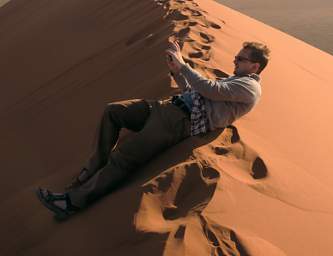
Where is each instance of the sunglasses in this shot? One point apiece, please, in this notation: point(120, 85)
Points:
point(241, 59)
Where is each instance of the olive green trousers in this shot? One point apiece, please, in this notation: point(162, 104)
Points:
point(157, 126)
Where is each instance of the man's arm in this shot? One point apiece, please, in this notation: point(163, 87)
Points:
point(181, 81)
point(235, 90)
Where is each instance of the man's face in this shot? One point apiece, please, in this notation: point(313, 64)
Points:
point(243, 63)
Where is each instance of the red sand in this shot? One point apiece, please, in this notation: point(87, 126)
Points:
point(263, 187)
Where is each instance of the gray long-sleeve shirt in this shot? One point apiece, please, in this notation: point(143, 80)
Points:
point(227, 99)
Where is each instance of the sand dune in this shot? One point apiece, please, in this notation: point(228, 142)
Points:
point(307, 20)
point(260, 187)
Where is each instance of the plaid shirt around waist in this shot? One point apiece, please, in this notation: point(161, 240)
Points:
point(198, 116)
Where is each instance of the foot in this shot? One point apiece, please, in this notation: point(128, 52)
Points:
point(59, 203)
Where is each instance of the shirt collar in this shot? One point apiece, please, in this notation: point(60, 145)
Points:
point(254, 76)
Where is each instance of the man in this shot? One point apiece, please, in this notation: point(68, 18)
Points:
point(203, 106)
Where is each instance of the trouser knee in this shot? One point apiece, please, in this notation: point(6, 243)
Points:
point(112, 107)
point(113, 112)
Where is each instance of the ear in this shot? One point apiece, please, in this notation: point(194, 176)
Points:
point(256, 67)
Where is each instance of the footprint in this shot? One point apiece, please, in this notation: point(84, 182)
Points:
point(185, 200)
point(233, 146)
point(239, 246)
point(206, 47)
point(196, 13)
point(207, 38)
point(214, 25)
point(188, 39)
point(235, 135)
point(219, 252)
point(187, 23)
point(198, 46)
point(210, 24)
point(192, 23)
point(195, 54)
point(183, 32)
point(171, 213)
point(225, 243)
point(220, 150)
point(174, 188)
point(210, 173)
point(177, 15)
point(259, 169)
point(161, 183)
point(208, 233)
point(180, 233)
point(193, 12)
point(191, 63)
point(207, 24)
point(200, 55)
point(181, 40)
point(219, 73)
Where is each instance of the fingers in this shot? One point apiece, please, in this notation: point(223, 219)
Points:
point(174, 45)
point(174, 51)
point(171, 53)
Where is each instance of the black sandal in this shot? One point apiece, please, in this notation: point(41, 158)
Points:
point(47, 198)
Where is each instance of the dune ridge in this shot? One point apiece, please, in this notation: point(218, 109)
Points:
point(258, 187)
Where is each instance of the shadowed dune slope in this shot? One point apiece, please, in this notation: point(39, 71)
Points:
point(260, 187)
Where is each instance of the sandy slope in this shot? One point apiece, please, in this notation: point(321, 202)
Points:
point(260, 187)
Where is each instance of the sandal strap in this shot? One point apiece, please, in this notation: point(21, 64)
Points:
point(52, 197)
point(70, 206)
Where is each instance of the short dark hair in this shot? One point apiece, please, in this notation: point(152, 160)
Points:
point(259, 53)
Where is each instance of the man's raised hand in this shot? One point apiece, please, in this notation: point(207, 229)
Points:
point(174, 57)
